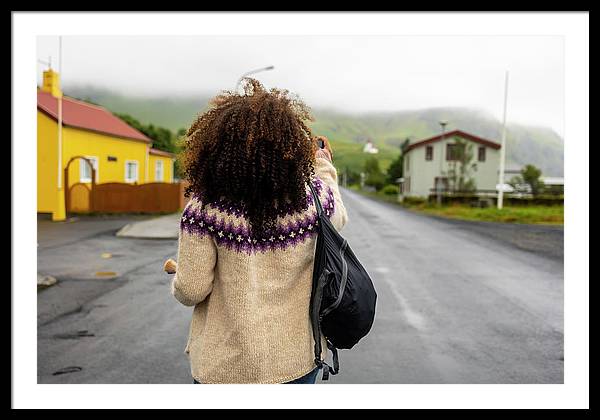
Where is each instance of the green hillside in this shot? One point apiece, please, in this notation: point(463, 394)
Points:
point(525, 144)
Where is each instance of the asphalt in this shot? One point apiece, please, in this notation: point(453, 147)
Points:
point(456, 304)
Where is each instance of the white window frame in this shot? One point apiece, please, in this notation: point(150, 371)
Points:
point(83, 166)
point(162, 170)
point(137, 171)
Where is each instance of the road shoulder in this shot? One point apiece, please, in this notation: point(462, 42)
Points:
point(544, 240)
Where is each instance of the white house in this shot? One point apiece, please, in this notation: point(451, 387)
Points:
point(369, 148)
point(426, 161)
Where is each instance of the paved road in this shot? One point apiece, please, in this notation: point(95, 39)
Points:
point(456, 305)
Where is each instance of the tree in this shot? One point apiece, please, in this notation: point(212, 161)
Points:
point(352, 177)
point(374, 176)
point(180, 137)
point(531, 177)
point(162, 138)
point(462, 166)
point(396, 169)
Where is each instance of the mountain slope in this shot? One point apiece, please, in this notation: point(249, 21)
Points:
point(539, 146)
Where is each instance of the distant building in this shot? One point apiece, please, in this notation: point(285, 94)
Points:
point(369, 148)
point(553, 181)
point(429, 160)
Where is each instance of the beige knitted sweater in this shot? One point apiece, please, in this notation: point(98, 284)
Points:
point(251, 294)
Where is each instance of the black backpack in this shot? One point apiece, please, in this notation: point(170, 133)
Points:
point(342, 303)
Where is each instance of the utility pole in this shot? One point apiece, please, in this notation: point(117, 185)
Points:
point(443, 123)
point(503, 147)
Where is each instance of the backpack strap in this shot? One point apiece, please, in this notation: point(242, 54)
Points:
point(317, 290)
point(328, 369)
point(316, 200)
point(336, 362)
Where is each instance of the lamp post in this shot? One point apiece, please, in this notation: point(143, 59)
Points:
point(252, 72)
point(443, 124)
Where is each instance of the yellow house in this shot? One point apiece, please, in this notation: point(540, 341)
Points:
point(117, 151)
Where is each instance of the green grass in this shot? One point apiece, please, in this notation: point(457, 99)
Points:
point(546, 215)
point(551, 215)
point(351, 156)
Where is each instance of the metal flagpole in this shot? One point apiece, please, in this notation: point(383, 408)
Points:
point(503, 147)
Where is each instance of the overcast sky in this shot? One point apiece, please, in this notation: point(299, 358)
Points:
point(351, 73)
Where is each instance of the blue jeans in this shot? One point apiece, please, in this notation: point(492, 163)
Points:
point(309, 378)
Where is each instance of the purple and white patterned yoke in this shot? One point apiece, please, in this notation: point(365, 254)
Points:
point(237, 237)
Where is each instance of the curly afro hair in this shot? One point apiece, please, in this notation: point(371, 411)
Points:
point(252, 149)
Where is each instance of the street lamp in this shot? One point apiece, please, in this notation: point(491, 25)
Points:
point(252, 72)
point(443, 124)
point(47, 63)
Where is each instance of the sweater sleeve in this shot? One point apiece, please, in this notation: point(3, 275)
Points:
point(328, 174)
point(196, 260)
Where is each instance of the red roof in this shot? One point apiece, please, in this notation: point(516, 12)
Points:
point(87, 116)
point(451, 134)
point(161, 153)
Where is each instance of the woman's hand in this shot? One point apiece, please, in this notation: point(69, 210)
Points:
point(325, 152)
point(170, 266)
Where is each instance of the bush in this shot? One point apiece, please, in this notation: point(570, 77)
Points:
point(414, 201)
point(375, 180)
point(390, 189)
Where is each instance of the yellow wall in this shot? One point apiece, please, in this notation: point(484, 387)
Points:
point(167, 168)
point(88, 143)
point(47, 163)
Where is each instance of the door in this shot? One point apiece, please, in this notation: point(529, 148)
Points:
point(443, 183)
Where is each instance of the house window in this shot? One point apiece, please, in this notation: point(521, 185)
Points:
point(481, 154)
point(131, 171)
point(429, 153)
point(407, 184)
point(454, 151)
point(407, 163)
point(158, 171)
point(85, 173)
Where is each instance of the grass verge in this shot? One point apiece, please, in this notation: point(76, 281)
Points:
point(536, 214)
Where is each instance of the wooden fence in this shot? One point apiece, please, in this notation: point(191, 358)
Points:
point(116, 197)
